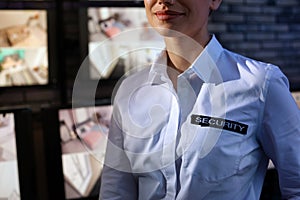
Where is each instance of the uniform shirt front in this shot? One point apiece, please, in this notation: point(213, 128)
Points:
point(227, 118)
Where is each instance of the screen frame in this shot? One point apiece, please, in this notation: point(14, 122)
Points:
point(53, 150)
point(25, 152)
point(52, 43)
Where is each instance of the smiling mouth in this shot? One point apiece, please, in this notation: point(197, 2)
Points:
point(168, 15)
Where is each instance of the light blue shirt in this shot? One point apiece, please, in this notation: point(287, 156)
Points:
point(212, 138)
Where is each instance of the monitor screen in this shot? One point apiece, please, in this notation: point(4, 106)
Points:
point(15, 155)
point(9, 189)
point(83, 136)
point(296, 96)
point(120, 41)
point(23, 48)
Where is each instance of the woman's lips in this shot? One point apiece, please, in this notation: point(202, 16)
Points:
point(168, 15)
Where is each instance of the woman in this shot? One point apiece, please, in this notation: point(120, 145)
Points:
point(201, 122)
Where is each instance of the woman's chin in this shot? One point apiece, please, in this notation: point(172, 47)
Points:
point(168, 31)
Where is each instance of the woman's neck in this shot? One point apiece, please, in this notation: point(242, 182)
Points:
point(182, 51)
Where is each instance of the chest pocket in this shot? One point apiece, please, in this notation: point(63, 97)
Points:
point(232, 154)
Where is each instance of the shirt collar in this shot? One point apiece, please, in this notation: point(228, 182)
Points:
point(204, 66)
point(158, 72)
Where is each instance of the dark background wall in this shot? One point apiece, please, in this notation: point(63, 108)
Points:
point(267, 30)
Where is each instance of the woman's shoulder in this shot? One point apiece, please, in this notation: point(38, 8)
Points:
point(131, 81)
point(138, 77)
point(254, 66)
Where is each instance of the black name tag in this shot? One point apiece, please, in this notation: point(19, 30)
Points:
point(220, 123)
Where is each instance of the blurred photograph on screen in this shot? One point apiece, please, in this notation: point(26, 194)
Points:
point(118, 41)
point(9, 176)
point(23, 48)
point(83, 133)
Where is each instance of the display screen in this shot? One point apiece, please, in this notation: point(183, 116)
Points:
point(9, 176)
point(120, 41)
point(83, 134)
point(296, 96)
point(23, 48)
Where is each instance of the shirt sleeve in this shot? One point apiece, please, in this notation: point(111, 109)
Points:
point(117, 182)
point(281, 133)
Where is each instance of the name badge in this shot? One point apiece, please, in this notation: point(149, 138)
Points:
point(220, 123)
